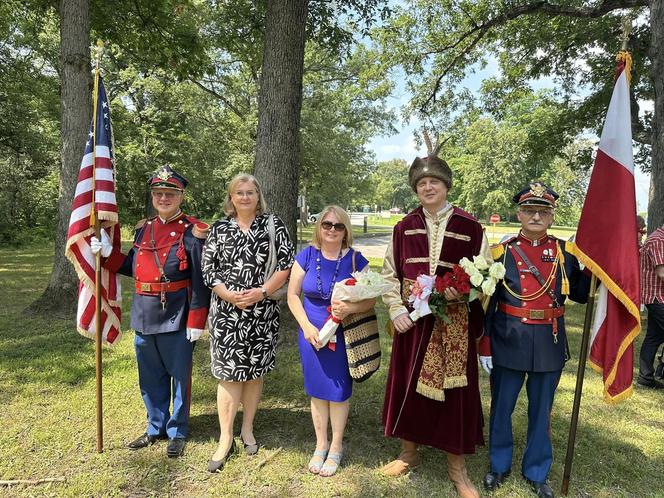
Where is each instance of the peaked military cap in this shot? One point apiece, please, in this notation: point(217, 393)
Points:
point(166, 177)
point(536, 194)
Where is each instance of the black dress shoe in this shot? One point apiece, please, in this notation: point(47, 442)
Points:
point(494, 479)
point(175, 447)
point(250, 449)
point(649, 382)
point(541, 489)
point(143, 441)
point(215, 466)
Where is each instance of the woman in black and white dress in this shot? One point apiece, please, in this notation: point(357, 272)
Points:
point(243, 320)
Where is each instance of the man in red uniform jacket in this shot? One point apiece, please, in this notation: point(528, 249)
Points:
point(169, 308)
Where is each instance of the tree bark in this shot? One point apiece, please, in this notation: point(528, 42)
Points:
point(60, 296)
point(656, 201)
point(277, 164)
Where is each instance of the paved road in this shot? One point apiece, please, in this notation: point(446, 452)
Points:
point(372, 247)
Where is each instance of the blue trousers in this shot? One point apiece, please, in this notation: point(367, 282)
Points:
point(164, 375)
point(505, 387)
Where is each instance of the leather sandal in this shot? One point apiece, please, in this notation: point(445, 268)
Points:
point(317, 460)
point(331, 464)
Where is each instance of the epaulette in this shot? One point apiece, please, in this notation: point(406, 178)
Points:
point(497, 251)
point(200, 229)
point(140, 224)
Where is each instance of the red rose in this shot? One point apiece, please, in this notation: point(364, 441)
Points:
point(351, 281)
point(464, 287)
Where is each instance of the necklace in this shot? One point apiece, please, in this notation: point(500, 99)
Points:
point(319, 283)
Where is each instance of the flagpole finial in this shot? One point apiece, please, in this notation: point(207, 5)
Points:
point(626, 31)
point(98, 50)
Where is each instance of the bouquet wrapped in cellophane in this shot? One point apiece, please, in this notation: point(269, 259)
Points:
point(361, 286)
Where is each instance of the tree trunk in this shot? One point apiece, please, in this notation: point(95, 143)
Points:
point(60, 295)
point(656, 201)
point(277, 163)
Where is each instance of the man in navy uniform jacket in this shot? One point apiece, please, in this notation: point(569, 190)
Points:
point(169, 307)
point(525, 336)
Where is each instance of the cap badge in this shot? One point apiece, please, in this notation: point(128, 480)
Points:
point(537, 189)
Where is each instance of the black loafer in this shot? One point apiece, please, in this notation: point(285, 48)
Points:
point(541, 489)
point(144, 441)
point(215, 466)
point(649, 382)
point(175, 447)
point(494, 479)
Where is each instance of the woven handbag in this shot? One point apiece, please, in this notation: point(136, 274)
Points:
point(362, 343)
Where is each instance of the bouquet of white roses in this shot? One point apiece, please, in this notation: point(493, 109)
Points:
point(468, 278)
point(361, 286)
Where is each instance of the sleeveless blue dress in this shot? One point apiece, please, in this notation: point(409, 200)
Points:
point(326, 371)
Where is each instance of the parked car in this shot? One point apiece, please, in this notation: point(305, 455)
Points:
point(395, 210)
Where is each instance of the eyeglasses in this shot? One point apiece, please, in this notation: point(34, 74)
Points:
point(541, 212)
point(167, 195)
point(328, 225)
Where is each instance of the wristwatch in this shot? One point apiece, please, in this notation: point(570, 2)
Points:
point(264, 292)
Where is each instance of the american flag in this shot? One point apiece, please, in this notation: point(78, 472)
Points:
point(95, 197)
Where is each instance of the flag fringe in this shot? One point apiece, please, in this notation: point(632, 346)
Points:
point(614, 289)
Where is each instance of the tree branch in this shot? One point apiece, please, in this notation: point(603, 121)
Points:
point(237, 111)
point(540, 7)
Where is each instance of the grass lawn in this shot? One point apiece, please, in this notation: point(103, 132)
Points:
point(47, 409)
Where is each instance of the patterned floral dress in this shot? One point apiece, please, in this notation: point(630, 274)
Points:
point(243, 342)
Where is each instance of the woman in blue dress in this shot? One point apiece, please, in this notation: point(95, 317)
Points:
point(327, 260)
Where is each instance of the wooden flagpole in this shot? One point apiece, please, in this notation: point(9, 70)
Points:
point(583, 353)
point(580, 373)
point(94, 220)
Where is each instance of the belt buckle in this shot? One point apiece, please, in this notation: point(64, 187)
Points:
point(536, 314)
point(145, 287)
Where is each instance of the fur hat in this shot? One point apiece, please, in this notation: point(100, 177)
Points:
point(432, 165)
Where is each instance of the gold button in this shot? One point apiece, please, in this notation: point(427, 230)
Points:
point(156, 279)
point(523, 304)
point(524, 289)
point(164, 254)
point(518, 243)
point(550, 305)
point(137, 265)
point(149, 223)
point(523, 276)
point(519, 263)
point(140, 253)
point(524, 319)
point(180, 222)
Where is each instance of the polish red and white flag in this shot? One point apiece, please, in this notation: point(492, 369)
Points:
point(606, 243)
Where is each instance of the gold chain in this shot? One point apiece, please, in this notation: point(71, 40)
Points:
point(542, 290)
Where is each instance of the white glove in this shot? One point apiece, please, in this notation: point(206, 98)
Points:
point(487, 363)
point(104, 245)
point(194, 334)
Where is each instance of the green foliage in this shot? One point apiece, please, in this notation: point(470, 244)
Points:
point(391, 187)
point(493, 158)
point(29, 127)
point(572, 44)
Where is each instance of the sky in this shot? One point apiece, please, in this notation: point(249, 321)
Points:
point(402, 145)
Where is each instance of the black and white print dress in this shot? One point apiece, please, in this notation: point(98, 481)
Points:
point(243, 342)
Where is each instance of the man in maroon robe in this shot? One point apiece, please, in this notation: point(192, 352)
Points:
point(432, 396)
